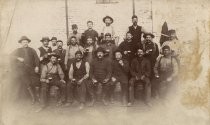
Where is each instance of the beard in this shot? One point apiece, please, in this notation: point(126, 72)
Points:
point(75, 32)
point(78, 59)
point(134, 23)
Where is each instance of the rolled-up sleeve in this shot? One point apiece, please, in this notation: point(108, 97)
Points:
point(44, 74)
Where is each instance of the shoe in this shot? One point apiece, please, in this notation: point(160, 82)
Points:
point(68, 104)
point(112, 101)
point(148, 104)
point(40, 109)
point(82, 105)
point(130, 104)
point(91, 104)
point(59, 104)
point(104, 102)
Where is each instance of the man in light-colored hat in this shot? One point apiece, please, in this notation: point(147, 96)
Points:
point(108, 28)
point(25, 64)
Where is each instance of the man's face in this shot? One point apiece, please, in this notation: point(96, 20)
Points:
point(73, 41)
point(54, 42)
point(108, 38)
point(128, 36)
point(90, 25)
point(46, 43)
point(135, 21)
point(108, 21)
point(100, 55)
point(24, 43)
point(89, 41)
point(74, 30)
point(53, 59)
point(148, 38)
point(60, 45)
point(118, 56)
point(166, 52)
point(140, 53)
point(173, 36)
point(78, 57)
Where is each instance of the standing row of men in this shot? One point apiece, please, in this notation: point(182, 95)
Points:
point(93, 65)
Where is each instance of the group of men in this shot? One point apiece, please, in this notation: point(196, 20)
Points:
point(89, 69)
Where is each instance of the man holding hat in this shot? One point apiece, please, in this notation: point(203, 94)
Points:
point(108, 28)
point(53, 43)
point(78, 79)
point(25, 64)
point(75, 33)
point(44, 51)
point(136, 31)
point(52, 74)
point(100, 74)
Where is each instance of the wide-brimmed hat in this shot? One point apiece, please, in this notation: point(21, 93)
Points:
point(24, 38)
point(100, 49)
point(54, 38)
point(146, 34)
point(45, 38)
point(108, 17)
point(74, 26)
point(53, 54)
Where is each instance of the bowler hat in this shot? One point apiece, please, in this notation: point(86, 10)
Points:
point(24, 38)
point(108, 17)
point(100, 49)
point(45, 38)
point(54, 38)
point(78, 52)
point(146, 34)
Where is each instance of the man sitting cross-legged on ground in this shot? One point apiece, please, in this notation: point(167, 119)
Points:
point(79, 76)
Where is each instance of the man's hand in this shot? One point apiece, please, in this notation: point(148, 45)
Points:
point(105, 80)
point(121, 63)
point(63, 81)
point(94, 80)
point(36, 69)
point(20, 59)
point(113, 79)
point(143, 77)
point(169, 79)
point(125, 52)
point(47, 81)
point(79, 82)
point(157, 76)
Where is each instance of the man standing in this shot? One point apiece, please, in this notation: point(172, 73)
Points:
point(53, 43)
point(52, 74)
point(44, 51)
point(90, 32)
point(120, 70)
point(78, 75)
point(166, 71)
point(89, 50)
point(100, 74)
point(76, 34)
point(128, 48)
point(108, 28)
point(108, 46)
point(140, 71)
point(136, 31)
point(26, 68)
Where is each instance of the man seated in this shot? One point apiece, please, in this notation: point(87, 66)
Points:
point(52, 74)
point(166, 70)
point(140, 71)
point(120, 70)
point(78, 78)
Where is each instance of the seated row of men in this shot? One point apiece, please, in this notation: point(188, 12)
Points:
point(94, 69)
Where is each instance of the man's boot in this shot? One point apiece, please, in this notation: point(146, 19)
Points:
point(30, 90)
point(104, 100)
point(92, 102)
point(37, 92)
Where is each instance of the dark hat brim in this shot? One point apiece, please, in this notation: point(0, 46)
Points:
point(42, 40)
point(150, 34)
point(108, 17)
point(19, 41)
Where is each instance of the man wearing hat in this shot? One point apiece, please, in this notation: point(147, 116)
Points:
point(108, 28)
point(78, 79)
point(52, 74)
point(166, 71)
point(100, 74)
point(44, 51)
point(75, 33)
point(140, 71)
point(90, 32)
point(53, 43)
point(136, 31)
point(25, 64)
point(120, 70)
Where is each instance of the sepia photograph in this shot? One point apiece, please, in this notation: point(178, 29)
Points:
point(104, 62)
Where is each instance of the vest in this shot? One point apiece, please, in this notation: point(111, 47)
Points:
point(43, 52)
point(136, 33)
point(79, 72)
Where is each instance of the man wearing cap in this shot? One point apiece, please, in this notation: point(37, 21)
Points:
point(108, 28)
point(128, 48)
point(100, 74)
point(53, 43)
point(25, 65)
point(109, 46)
point(52, 74)
point(78, 79)
point(120, 70)
point(89, 50)
point(166, 71)
point(75, 33)
point(44, 51)
point(140, 71)
point(136, 31)
point(90, 32)
point(70, 52)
